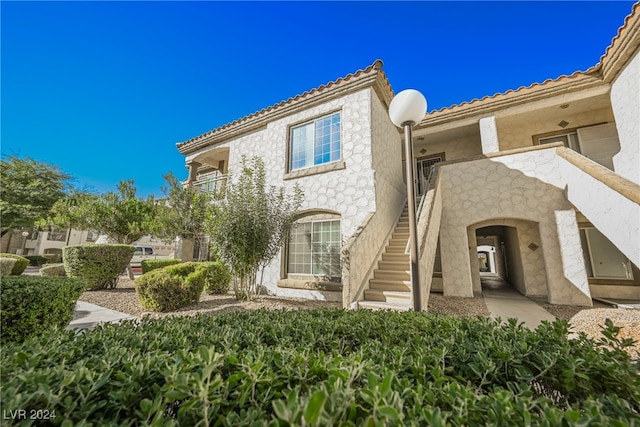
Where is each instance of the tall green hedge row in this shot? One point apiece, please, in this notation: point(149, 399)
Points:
point(20, 265)
point(324, 367)
point(98, 265)
point(34, 304)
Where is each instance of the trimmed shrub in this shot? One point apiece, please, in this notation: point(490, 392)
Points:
point(19, 266)
point(217, 278)
point(172, 287)
point(153, 264)
point(6, 266)
point(53, 270)
point(98, 265)
point(33, 304)
point(52, 258)
point(324, 367)
point(35, 260)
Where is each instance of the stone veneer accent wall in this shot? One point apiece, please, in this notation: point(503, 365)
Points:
point(361, 252)
point(521, 186)
point(625, 101)
point(349, 190)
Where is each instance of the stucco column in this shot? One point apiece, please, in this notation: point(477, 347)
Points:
point(456, 263)
point(193, 171)
point(566, 274)
point(489, 135)
point(625, 103)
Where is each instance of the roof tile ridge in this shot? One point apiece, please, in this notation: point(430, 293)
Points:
point(575, 74)
point(376, 65)
point(634, 9)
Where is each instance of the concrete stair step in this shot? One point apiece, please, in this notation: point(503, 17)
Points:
point(393, 265)
point(395, 257)
point(392, 274)
point(390, 285)
point(396, 249)
point(381, 305)
point(393, 297)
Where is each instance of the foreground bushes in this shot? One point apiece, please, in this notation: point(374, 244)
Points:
point(153, 264)
point(172, 287)
point(323, 367)
point(98, 265)
point(20, 264)
point(33, 304)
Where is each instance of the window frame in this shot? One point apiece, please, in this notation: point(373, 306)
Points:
point(323, 166)
point(289, 252)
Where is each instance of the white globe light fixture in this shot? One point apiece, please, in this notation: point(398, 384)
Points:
point(407, 109)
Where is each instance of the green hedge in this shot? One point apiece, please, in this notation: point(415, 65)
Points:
point(53, 270)
point(6, 265)
point(98, 265)
point(33, 304)
point(35, 260)
point(20, 265)
point(153, 264)
point(172, 287)
point(324, 367)
point(217, 278)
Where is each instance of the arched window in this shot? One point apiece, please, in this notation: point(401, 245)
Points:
point(314, 246)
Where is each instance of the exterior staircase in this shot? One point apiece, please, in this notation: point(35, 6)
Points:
point(390, 287)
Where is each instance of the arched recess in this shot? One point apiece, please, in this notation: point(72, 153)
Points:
point(519, 253)
point(312, 252)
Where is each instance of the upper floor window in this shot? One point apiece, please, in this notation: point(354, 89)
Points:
point(92, 236)
point(57, 235)
point(315, 143)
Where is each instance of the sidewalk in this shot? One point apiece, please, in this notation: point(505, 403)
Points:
point(87, 316)
point(505, 302)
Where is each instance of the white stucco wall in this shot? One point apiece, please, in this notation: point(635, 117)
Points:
point(489, 135)
point(613, 214)
point(349, 191)
point(625, 101)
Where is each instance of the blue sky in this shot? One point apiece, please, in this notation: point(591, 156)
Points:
point(106, 89)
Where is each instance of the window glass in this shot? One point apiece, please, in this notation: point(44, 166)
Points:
point(314, 248)
point(315, 143)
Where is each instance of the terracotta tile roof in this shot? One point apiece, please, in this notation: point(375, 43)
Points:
point(627, 31)
point(371, 75)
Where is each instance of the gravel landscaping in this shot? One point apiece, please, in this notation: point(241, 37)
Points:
point(582, 319)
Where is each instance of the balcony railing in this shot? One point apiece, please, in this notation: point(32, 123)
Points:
point(213, 184)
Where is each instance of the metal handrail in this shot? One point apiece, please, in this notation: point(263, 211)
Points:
point(428, 185)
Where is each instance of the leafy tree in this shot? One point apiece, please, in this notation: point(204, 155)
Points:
point(29, 189)
point(120, 215)
point(181, 213)
point(249, 226)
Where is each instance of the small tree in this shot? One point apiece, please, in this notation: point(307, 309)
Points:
point(122, 216)
point(181, 213)
point(249, 226)
point(29, 191)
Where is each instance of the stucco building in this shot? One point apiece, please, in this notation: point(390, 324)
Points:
point(539, 185)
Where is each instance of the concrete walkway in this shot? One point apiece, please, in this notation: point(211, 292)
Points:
point(504, 301)
point(87, 316)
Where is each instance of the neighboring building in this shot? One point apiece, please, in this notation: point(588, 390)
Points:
point(52, 242)
point(538, 185)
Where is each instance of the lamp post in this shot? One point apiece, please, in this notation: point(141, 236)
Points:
point(24, 241)
point(406, 109)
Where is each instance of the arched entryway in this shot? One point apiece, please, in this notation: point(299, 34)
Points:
point(508, 254)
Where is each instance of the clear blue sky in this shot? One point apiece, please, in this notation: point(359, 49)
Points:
point(106, 89)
